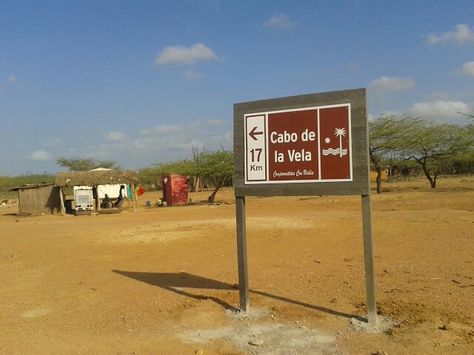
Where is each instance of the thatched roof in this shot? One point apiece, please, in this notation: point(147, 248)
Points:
point(98, 177)
point(32, 186)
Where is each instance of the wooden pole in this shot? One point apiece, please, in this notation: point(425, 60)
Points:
point(97, 201)
point(134, 195)
point(61, 201)
point(242, 254)
point(369, 260)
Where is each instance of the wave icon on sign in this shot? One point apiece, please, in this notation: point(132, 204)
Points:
point(338, 132)
point(332, 151)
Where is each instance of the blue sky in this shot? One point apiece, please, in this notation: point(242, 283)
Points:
point(141, 82)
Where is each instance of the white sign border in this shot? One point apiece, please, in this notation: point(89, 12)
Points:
point(267, 172)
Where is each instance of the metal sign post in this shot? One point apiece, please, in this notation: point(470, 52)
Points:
point(314, 144)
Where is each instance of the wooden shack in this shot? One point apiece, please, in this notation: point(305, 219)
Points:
point(37, 199)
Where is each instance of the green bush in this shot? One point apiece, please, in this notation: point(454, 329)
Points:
point(7, 183)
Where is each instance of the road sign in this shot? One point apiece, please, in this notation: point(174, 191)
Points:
point(304, 145)
point(314, 144)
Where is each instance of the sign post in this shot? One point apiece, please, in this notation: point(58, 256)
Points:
point(369, 260)
point(314, 144)
point(242, 254)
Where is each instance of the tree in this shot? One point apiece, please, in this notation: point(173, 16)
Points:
point(151, 176)
point(430, 145)
point(463, 163)
point(78, 164)
point(216, 169)
point(385, 135)
point(196, 184)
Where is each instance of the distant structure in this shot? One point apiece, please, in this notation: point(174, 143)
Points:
point(175, 189)
point(90, 187)
point(38, 199)
point(77, 191)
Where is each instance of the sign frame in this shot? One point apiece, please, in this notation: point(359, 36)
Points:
point(359, 184)
point(356, 99)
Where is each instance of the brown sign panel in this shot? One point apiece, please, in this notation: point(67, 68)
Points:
point(292, 147)
point(335, 143)
point(302, 145)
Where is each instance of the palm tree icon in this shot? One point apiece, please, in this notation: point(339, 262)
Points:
point(340, 132)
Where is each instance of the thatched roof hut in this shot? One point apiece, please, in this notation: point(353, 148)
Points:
point(96, 177)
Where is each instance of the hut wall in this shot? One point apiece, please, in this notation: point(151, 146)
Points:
point(39, 200)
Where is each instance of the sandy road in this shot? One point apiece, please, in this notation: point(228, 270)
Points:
point(161, 280)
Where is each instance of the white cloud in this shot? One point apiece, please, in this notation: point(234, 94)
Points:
point(176, 141)
point(229, 136)
point(185, 55)
point(11, 79)
point(468, 68)
point(443, 109)
point(390, 113)
point(279, 21)
point(385, 113)
point(53, 143)
point(212, 122)
point(114, 136)
point(386, 83)
point(461, 34)
point(157, 144)
point(40, 155)
point(164, 129)
point(179, 143)
point(192, 75)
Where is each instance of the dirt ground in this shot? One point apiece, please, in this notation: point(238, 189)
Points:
point(163, 280)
